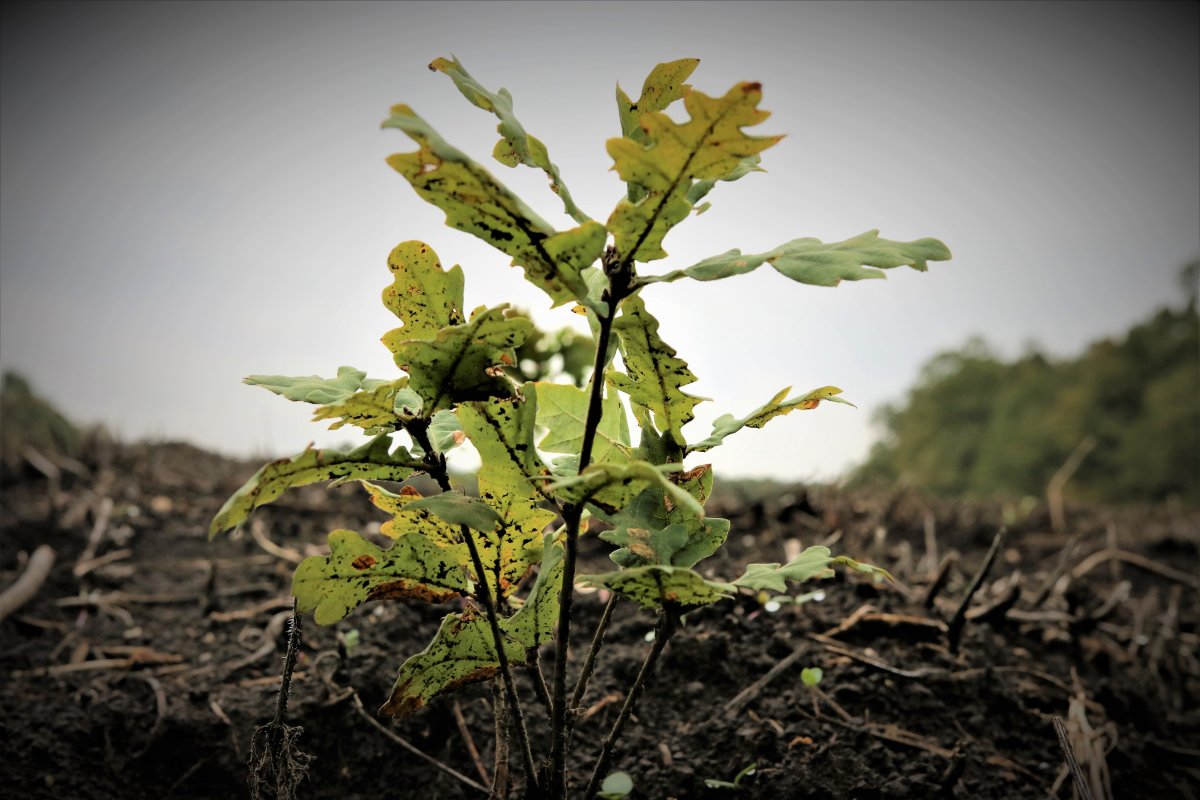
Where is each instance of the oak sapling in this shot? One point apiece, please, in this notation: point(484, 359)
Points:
point(556, 459)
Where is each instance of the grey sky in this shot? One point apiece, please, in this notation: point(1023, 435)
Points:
point(193, 193)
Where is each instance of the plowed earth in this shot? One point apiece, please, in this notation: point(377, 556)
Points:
point(146, 675)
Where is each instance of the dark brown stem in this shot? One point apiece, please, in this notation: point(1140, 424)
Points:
point(539, 681)
point(955, 628)
point(500, 767)
point(571, 516)
point(436, 463)
point(289, 666)
point(668, 620)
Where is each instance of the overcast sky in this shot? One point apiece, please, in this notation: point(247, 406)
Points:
point(190, 193)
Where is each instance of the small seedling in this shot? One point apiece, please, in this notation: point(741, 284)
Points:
point(555, 457)
point(616, 786)
point(736, 783)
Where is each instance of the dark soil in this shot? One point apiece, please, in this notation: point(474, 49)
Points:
point(146, 676)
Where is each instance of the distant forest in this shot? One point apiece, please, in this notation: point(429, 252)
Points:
point(978, 425)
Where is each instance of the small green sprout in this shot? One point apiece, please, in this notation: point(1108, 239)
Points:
point(746, 772)
point(811, 676)
point(616, 786)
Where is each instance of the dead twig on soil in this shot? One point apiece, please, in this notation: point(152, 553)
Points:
point(939, 579)
point(1060, 567)
point(1064, 742)
point(1098, 558)
point(99, 528)
point(469, 741)
point(834, 647)
point(258, 531)
point(141, 658)
point(358, 705)
point(747, 695)
point(26, 587)
point(955, 628)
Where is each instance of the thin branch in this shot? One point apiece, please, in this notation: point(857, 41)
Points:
point(668, 620)
point(589, 663)
point(571, 516)
point(31, 580)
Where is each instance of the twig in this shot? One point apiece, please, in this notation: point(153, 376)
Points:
point(469, 740)
point(1059, 568)
point(939, 579)
point(954, 630)
point(534, 668)
point(833, 647)
point(258, 531)
point(499, 789)
point(997, 610)
point(1098, 558)
point(99, 527)
point(1054, 489)
point(358, 705)
point(84, 567)
point(26, 587)
point(142, 659)
point(668, 619)
point(745, 696)
point(1064, 742)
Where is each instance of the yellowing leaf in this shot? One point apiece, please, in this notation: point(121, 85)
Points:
point(654, 374)
point(461, 362)
point(709, 146)
point(357, 571)
point(464, 651)
point(477, 203)
point(516, 146)
point(424, 296)
point(371, 461)
point(656, 585)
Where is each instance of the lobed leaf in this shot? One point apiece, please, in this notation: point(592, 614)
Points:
point(371, 461)
point(376, 411)
point(655, 374)
point(813, 262)
point(662, 87)
point(315, 389)
point(709, 146)
point(502, 431)
point(408, 520)
point(611, 486)
point(425, 297)
point(357, 571)
point(461, 362)
point(516, 146)
point(477, 203)
point(812, 562)
point(777, 406)
point(464, 651)
point(655, 585)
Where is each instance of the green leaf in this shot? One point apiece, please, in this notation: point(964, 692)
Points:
point(462, 362)
point(652, 586)
point(459, 509)
point(709, 146)
point(375, 410)
point(662, 87)
point(813, 562)
point(445, 431)
point(814, 262)
point(372, 461)
point(357, 571)
point(515, 146)
point(654, 373)
point(477, 203)
point(653, 529)
point(562, 410)
point(811, 676)
point(463, 651)
point(425, 297)
point(616, 786)
point(726, 424)
point(315, 389)
point(508, 552)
